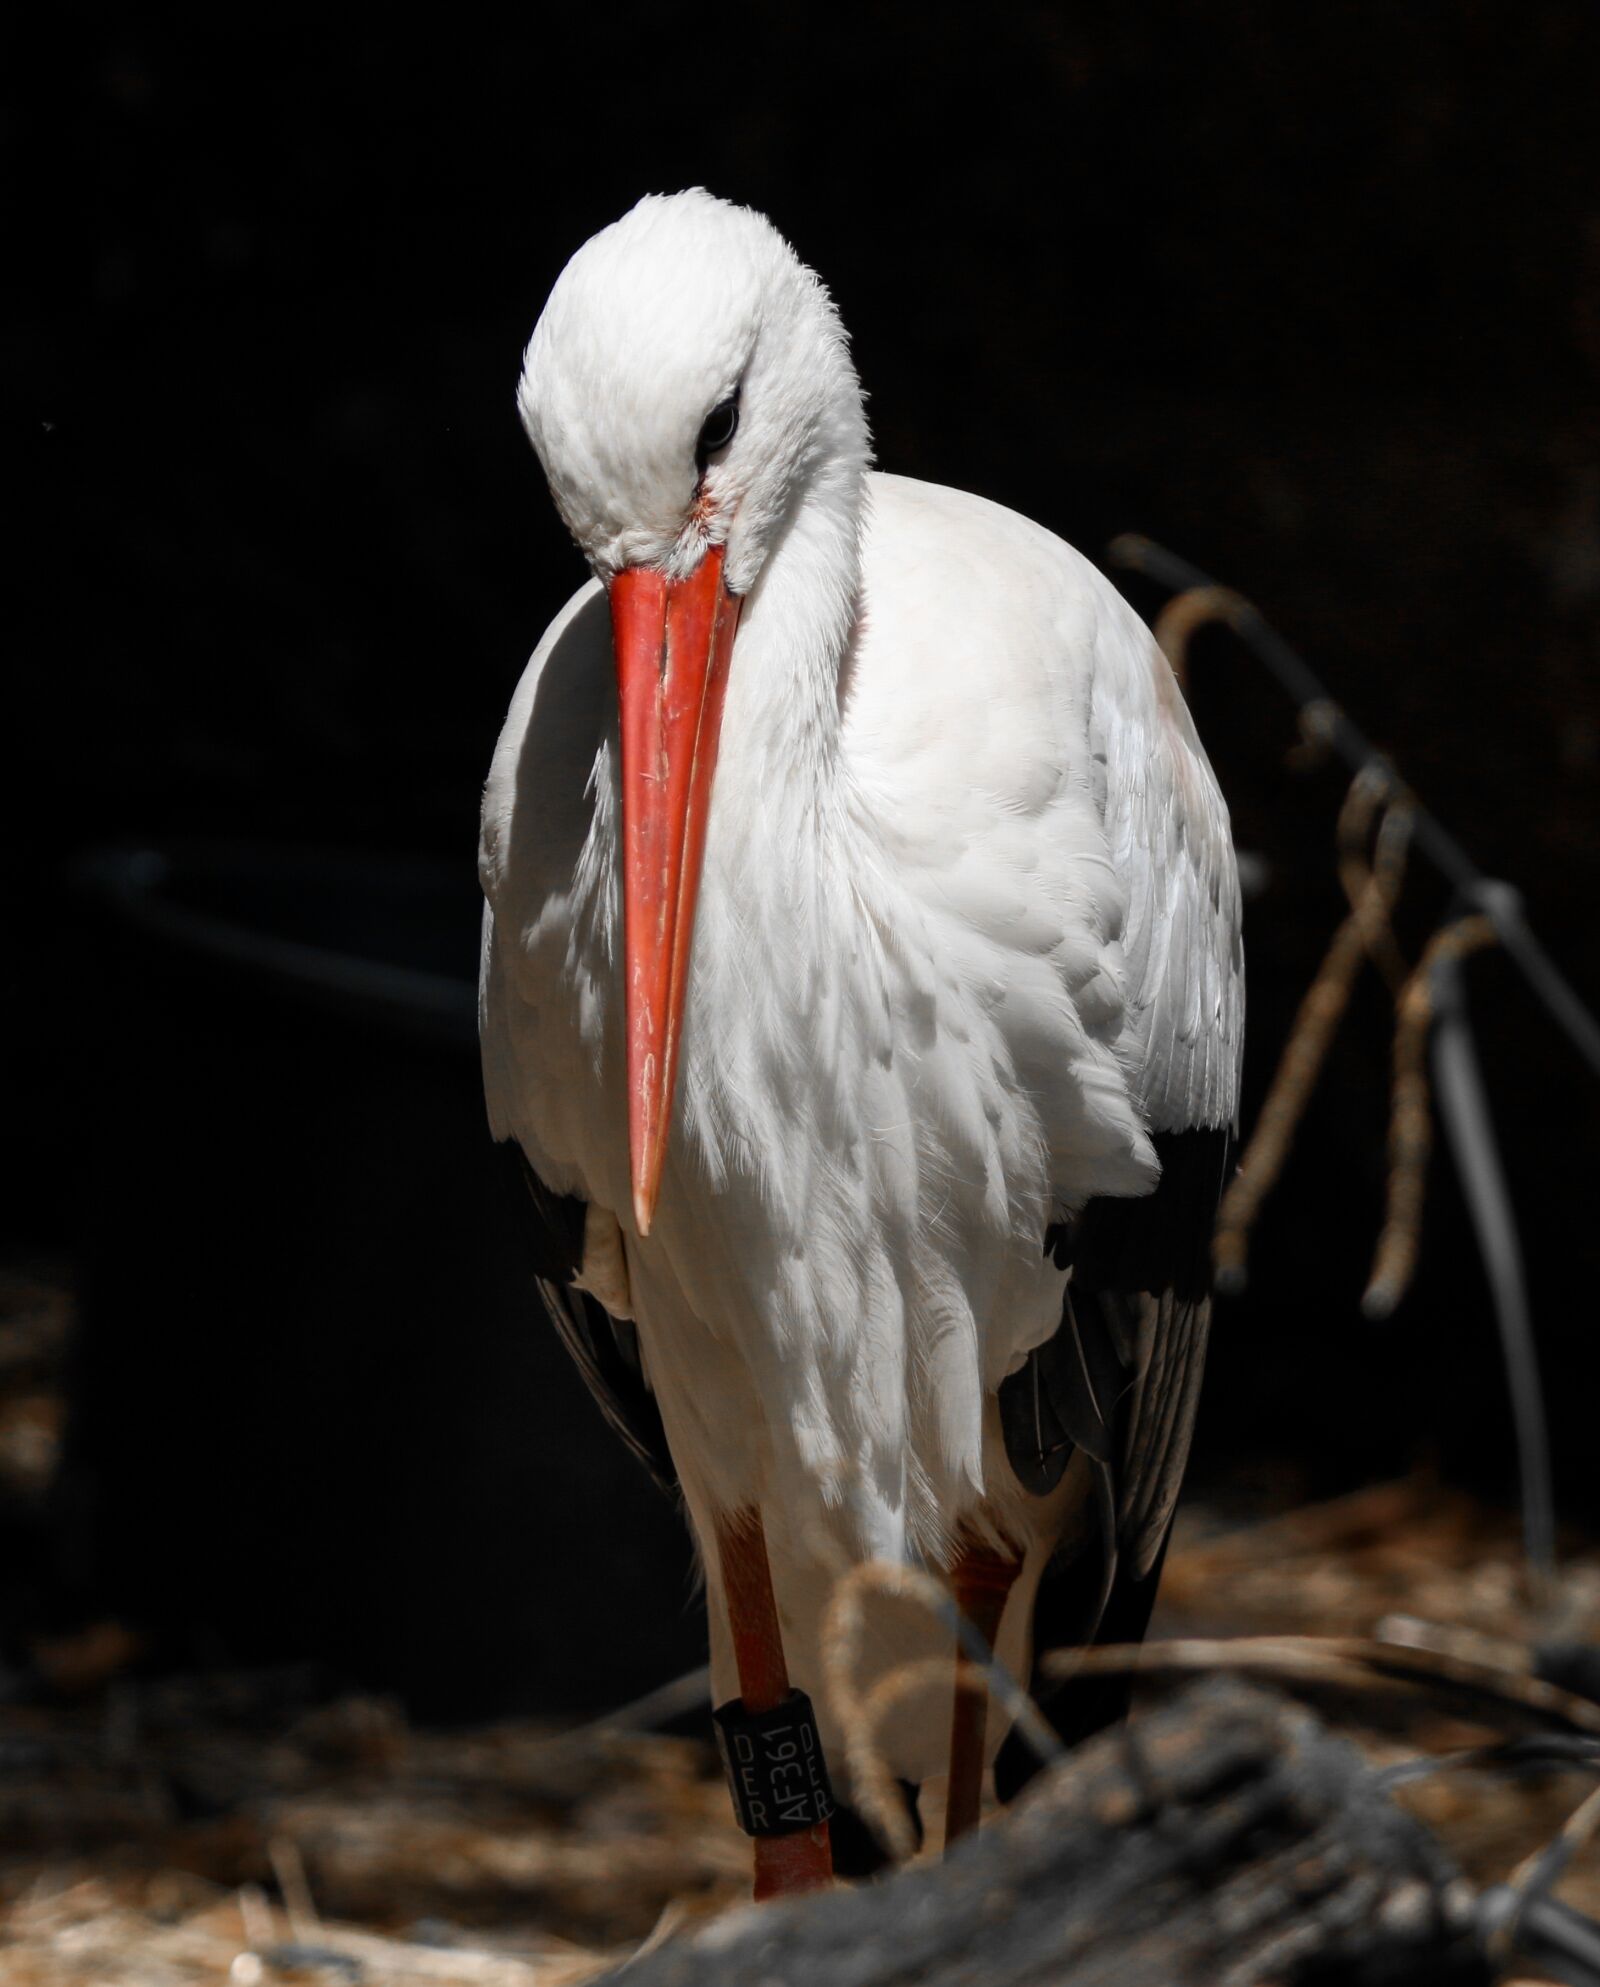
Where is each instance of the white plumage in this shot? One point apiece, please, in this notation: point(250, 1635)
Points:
point(968, 929)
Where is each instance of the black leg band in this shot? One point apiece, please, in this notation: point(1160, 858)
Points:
point(776, 1773)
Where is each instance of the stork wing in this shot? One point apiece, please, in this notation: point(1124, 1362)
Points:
point(604, 1349)
point(1181, 942)
point(1145, 1267)
point(1146, 1264)
point(1121, 1378)
point(1121, 1381)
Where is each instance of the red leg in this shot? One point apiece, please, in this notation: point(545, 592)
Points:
point(982, 1579)
point(784, 1863)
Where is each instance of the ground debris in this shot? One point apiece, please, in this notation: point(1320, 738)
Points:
point(243, 1828)
point(1258, 1849)
point(1425, 1566)
point(184, 1840)
point(92, 1931)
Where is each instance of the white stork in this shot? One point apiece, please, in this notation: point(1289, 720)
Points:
point(862, 983)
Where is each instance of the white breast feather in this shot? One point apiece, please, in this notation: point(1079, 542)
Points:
point(917, 1026)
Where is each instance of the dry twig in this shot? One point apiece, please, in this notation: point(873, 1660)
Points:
point(1183, 617)
point(1411, 1118)
point(1366, 926)
point(1536, 1873)
point(1301, 683)
point(1373, 888)
point(862, 1716)
point(1344, 1662)
point(843, 1622)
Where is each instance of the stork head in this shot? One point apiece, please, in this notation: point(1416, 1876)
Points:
point(687, 380)
point(687, 386)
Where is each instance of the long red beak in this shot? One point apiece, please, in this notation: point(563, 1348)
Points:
point(673, 639)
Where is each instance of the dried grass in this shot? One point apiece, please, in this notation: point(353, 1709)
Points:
point(1416, 1565)
point(174, 1836)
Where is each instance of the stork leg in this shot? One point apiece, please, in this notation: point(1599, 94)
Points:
point(981, 1578)
point(784, 1863)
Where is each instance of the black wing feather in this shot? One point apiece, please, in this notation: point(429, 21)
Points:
point(1140, 1296)
point(604, 1349)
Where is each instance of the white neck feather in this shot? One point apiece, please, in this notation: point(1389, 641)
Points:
point(779, 905)
point(780, 737)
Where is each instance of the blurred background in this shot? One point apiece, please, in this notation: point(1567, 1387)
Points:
point(1313, 300)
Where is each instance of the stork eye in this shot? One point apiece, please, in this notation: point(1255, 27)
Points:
point(717, 430)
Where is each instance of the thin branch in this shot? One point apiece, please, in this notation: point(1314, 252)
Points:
point(658, 1707)
point(1345, 1662)
point(1548, 1933)
point(862, 1716)
point(1373, 888)
point(1536, 1875)
point(1411, 1118)
point(1312, 1033)
point(1182, 618)
point(1464, 1112)
point(1501, 906)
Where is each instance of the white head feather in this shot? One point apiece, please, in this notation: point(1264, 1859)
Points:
point(655, 321)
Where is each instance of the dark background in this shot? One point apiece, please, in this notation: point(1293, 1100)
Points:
point(1314, 299)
